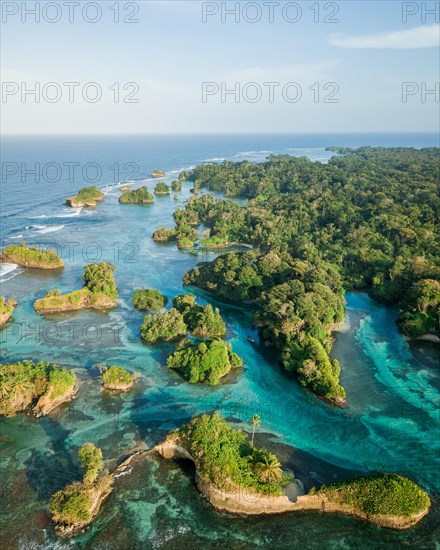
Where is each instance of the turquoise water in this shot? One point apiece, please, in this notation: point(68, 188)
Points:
point(393, 393)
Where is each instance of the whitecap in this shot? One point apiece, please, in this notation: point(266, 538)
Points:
point(7, 268)
point(51, 229)
point(9, 271)
point(69, 213)
point(252, 153)
point(17, 236)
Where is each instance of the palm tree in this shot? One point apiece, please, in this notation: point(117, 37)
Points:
point(269, 468)
point(256, 421)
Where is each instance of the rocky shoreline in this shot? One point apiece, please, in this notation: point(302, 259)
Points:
point(4, 318)
point(61, 304)
point(233, 499)
point(68, 530)
point(236, 500)
point(100, 493)
point(94, 197)
point(22, 261)
point(5, 315)
point(45, 405)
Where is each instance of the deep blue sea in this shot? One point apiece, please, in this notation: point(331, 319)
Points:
point(391, 423)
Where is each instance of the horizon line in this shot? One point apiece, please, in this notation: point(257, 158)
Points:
point(382, 132)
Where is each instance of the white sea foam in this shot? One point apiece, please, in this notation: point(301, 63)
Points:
point(252, 153)
point(25, 544)
point(18, 236)
point(68, 213)
point(7, 268)
point(50, 229)
point(123, 473)
point(9, 271)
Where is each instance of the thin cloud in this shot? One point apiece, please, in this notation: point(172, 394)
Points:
point(418, 37)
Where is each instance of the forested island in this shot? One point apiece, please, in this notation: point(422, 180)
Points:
point(30, 256)
point(202, 321)
point(99, 292)
point(158, 174)
point(198, 362)
point(137, 196)
point(368, 220)
point(148, 299)
point(87, 196)
point(116, 378)
point(162, 188)
point(185, 315)
point(6, 309)
point(38, 387)
point(238, 478)
point(164, 326)
point(75, 506)
point(204, 362)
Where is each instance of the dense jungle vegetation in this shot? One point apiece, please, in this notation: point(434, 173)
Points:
point(367, 220)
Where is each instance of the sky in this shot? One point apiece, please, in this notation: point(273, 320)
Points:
point(219, 67)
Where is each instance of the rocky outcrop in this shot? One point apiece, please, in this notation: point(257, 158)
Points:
point(6, 310)
point(45, 405)
point(74, 202)
point(28, 400)
point(158, 174)
point(237, 500)
point(135, 201)
point(4, 318)
point(97, 493)
point(87, 197)
point(118, 387)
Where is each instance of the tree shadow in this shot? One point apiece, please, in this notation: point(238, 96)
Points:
point(49, 470)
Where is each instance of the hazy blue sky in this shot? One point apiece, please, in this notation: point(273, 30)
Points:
point(367, 55)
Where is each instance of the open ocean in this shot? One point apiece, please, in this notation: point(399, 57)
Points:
point(392, 422)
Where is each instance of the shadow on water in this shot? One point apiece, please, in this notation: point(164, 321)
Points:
point(49, 470)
